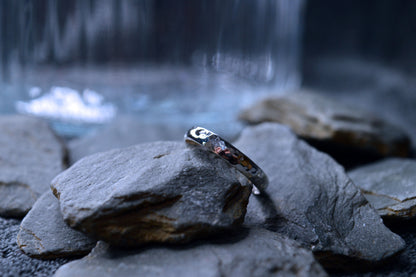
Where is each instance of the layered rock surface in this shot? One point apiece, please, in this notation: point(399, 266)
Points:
point(329, 125)
point(43, 233)
point(154, 192)
point(390, 186)
point(311, 199)
point(256, 253)
point(30, 157)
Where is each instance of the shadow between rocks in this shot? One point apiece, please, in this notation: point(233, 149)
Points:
point(402, 264)
point(399, 225)
point(347, 266)
point(228, 236)
point(347, 156)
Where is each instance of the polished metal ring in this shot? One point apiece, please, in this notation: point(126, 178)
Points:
point(212, 142)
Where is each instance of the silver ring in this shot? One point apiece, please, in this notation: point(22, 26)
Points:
point(212, 142)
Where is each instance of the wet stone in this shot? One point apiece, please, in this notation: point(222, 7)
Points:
point(349, 134)
point(43, 233)
point(311, 199)
point(31, 155)
point(390, 186)
point(153, 192)
point(256, 253)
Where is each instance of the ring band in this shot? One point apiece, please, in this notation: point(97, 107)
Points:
point(212, 142)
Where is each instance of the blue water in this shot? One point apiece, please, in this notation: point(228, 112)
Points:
point(81, 63)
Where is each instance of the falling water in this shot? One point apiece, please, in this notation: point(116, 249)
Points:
point(190, 61)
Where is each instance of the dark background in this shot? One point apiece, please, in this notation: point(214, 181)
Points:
point(380, 30)
point(363, 53)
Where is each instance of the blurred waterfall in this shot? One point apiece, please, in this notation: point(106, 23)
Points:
point(150, 57)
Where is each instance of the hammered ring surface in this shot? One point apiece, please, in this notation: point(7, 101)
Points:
point(199, 136)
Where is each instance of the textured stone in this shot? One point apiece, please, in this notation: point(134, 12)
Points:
point(13, 262)
point(43, 233)
point(122, 132)
point(256, 253)
point(321, 119)
point(154, 192)
point(311, 199)
point(30, 156)
point(384, 90)
point(390, 186)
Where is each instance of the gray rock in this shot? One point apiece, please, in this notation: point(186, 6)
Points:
point(122, 132)
point(390, 186)
point(30, 156)
point(384, 90)
point(313, 116)
point(258, 253)
point(43, 233)
point(13, 262)
point(154, 192)
point(311, 199)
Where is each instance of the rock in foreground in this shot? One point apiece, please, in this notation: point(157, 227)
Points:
point(43, 233)
point(390, 186)
point(30, 157)
point(259, 253)
point(331, 125)
point(154, 192)
point(311, 199)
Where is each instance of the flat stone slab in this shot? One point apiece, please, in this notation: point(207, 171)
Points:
point(44, 234)
point(124, 131)
point(312, 200)
point(390, 186)
point(258, 253)
point(153, 192)
point(316, 117)
point(31, 155)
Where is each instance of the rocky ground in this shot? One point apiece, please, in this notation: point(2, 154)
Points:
point(13, 262)
point(340, 200)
